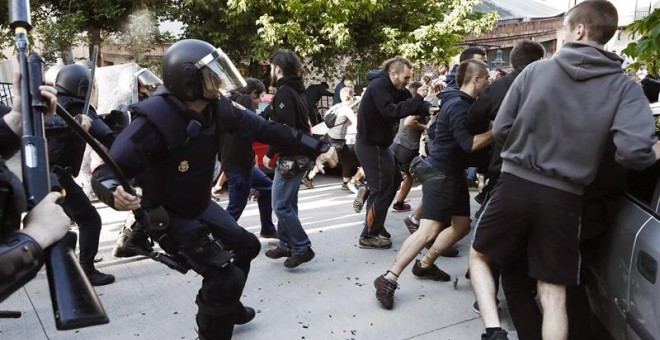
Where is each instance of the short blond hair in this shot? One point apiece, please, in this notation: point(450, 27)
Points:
point(346, 94)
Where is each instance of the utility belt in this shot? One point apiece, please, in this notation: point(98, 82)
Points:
point(201, 253)
point(291, 166)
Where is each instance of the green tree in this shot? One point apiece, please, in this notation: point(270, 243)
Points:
point(330, 32)
point(647, 49)
point(97, 17)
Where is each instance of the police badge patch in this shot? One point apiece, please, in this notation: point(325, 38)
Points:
point(183, 166)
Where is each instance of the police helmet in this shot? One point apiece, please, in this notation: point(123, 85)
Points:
point(73, 80)
point(194, 69)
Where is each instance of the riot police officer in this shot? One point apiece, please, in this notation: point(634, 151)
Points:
point(171, 147)
point(65, 153)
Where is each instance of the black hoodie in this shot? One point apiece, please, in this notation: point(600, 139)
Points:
point(381, 108)
point(289, 107)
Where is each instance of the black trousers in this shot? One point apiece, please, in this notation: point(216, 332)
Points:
point(383, 178)
point(78, 207)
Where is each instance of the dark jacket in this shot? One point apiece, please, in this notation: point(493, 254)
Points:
point(10, 142)
point(236, 153)
point(451, 141)
point(67, 151)
point(481, 113)
point(450, 79)
point(313, 94)
point(382, 107)
point(289, 107)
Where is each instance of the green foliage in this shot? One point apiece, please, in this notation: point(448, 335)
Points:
point(647, 48)
point(329, 32)
point(60, 36)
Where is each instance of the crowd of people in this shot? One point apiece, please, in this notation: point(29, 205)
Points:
point(439, 132)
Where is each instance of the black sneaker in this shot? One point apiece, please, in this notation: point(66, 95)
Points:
point(361, 196)
point(385, 234)
point(412, 226)
point(278, 252)
point(244, 316)
point(497, 335)
point(385, 291)
point(268, 235)
point(96, 278)
point(433, 272)
point(475, 306)
point(296, 260)
point(449, 252)
point(373, 242)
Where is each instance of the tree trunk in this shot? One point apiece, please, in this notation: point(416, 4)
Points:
point(94, 35)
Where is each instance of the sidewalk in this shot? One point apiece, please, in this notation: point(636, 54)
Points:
point(332, 297)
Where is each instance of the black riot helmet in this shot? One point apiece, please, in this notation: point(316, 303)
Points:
point(73, 80)
point(194, 69)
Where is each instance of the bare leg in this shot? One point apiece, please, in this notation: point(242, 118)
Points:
point(428, 229)
point(418, 212)
point(553, 301)
point(484, 288)
point(460, 226)
point(406, 184)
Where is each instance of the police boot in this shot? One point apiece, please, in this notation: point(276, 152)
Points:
point(95, 277)
point(132, 242)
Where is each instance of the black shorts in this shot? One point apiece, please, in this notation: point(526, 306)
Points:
point(403, 156)
point(544, 220)
point(443, 197)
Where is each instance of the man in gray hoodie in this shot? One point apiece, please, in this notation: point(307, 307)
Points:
point(554, 124)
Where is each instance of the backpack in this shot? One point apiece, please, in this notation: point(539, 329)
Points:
point(330, 117)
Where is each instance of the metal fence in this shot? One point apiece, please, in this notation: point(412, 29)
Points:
point(6, 93)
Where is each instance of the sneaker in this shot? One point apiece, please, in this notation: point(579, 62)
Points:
point(400, 207)
point(296, 260)
point(268, 235)
point(433, 272)
point(384, 234)
point(371, 242)
point(361, 196)
point(467, 274)
point(244, 316)
point(344, 187)
point(278, 252)
point(412, 226)
point(308, 183)
point(385, 291)
point(497, 335)
point(475, 306)
point(351, 186)
point(96, 278)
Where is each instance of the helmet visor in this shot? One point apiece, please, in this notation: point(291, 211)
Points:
point(147, 78)
point(219, 72)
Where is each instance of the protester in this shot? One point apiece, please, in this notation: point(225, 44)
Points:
point(384, 102)
point(446, 213)
point(544, 174)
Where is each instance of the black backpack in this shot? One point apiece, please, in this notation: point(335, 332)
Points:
point(330, 117)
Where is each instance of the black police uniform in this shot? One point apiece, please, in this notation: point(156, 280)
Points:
point(20, 255)
point(172, 150)
point(65, 152)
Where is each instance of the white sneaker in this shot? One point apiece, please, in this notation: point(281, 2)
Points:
point(351, 186)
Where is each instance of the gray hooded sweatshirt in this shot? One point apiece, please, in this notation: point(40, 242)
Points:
point(559, 114)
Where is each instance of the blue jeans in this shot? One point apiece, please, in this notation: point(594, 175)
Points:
point(471, 174)
point(239, 191)
point(285, 204)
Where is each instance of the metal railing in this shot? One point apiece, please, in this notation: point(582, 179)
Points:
point(6, 93)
